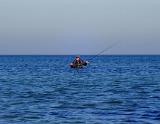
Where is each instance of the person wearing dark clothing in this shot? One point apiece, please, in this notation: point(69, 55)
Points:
point(78, 63)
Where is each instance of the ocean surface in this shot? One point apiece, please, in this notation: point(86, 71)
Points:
point(110, 90)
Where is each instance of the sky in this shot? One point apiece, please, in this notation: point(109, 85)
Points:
point(79, 26)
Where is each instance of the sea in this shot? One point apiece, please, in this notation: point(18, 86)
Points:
point(111, 89)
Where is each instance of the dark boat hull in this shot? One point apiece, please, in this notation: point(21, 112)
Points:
point(78, 66)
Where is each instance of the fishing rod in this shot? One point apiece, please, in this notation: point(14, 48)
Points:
point(106, 49)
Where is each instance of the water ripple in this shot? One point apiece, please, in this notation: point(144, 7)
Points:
point(112, 90)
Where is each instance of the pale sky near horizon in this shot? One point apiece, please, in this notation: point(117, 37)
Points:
point(79, 26)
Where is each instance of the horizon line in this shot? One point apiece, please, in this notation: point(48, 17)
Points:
point(79, 54)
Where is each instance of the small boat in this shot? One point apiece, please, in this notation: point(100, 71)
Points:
point(72, 65)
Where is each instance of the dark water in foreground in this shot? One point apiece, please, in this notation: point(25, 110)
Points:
point(111, 90)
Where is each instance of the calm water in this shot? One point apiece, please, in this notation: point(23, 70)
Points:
point(111, 90)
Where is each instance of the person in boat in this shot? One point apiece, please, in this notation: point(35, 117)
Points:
point(78, 63)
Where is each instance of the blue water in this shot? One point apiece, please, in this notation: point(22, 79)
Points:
point(110, 90)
